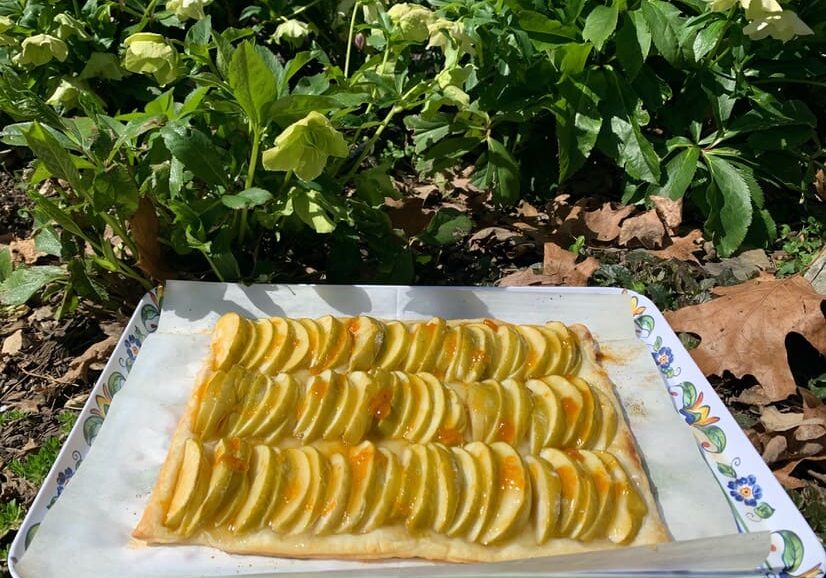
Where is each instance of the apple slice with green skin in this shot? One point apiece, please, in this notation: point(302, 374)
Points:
point(368, 337)
point(298, 347)
point(451, 432)
point(318, 342)
point(294, 490)
point(604, 486)
point(513, 506)
point(257, 404)
point(395, 346)
point(608, 429)
point(319, 404)
point(546, 487)
point(488, 469)
point(463, 364)
point(569, 348)
point(420, 477)
point(400, 406)
point(190, 484)
point(217, 399)
point(344, 408)
point(573, 489)
point(590, 415)
point(337, 347)
point(481, 352)
point(510, 349)
point(436, 408)
point(571, 401)
point(414, 429)
point(260, 343)
point(389, 480)
point(446, 358)
point(265, 480)
point(435, 330)
point(364, 467)
point(629, 509)
point(278, 410)
point(338, 492)
point(486, 407)
point(359, 421)
point(589, 503)
point(420, 341)
point(538, 352)
point(224, 419)
point(315, 493)
point(490, 346)
point(380, 406)
point(520, 407)
point(547, 427)
point(557, 360)
point(230, 338)
point(280, 347)
point(446, 490)
point(470, 495)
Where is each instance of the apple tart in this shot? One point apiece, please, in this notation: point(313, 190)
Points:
point(465, 441)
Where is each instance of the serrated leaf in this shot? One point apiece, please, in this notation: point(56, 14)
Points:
point(48, 242)
point(578, 122)
point(680, 173)
point(707, 38)
point(252, 81)
point(446, 227)
point(197, 152)
point(633, 43)
point(53, 212)
point(664, 22)
point(247, 198)
point(52, 154)
point(600, 25)
point(197, 37)
point(505, 173)
point(23, 283)
point(291, 108)
point(115, 188)
point(374, 185)
point(734, 211)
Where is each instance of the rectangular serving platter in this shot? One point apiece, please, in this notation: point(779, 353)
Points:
point(757, 500)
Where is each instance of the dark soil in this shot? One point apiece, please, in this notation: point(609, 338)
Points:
point(15, 219)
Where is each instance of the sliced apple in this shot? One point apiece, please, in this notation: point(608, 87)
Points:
point(392, 426)
point(557, 360)
point(420, 341)
point(345, 406)
point(481, 345)
point(608, 428)
point(569, 351)
point(316, 492)
point(604, 487)
point(368, 337)
point(485, 402)
point(217, 399)
point(591, 415)
point(574, 489)
point(435, 329)
point(265, 479)
point(471, 491)
point(518, 413)
point(390, 480)
point(338, 344)
point(230, 338)
point(365, 479)
point(436, 408)
point(317, 340)
point(446, 358)
point(538, 352)
point(338, 493)
point(295, 489)
point(572, 402)
point(278, 411)
point(513, 506)
point(451, 432)
point(630, 509)
point(358, 422)
point(319, 403)
point(395, 346)
point(511, 354)
point(259, 345)
point(547, 427)
point(299, 348)
point(488, 469)
point(546, 488)
point(192, 477)
point(420, 474)
point(446, 490)
point(415, 428)
point(257, 405)
point(380, 406)
point(280, 346)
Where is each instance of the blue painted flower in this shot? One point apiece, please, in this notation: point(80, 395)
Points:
point(133, 346)
point(745, 490)
point(663, 358)
point(63, 479)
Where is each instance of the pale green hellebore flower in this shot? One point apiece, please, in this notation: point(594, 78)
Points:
point(185, 9)
point(5, 23)
point(444, 32)
point(782, 26)
point(68, 92)
point(102, 65)
point(293, 31)
point(148, 53)
point(68, 27)
point(304, 147)
point(760, 8)
point(40, 49)
point(411, 20)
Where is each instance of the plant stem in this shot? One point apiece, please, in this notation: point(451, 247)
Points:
point(298, 11)
point(147, 15)
point(790, 81)
point(287, 178)
point(370, 143)
point(256, 143)
point(350, 39)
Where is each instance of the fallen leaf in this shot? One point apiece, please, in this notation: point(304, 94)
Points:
point(26, 251)
point(669, 211)
point(785, 474)
point(525, 278)
point(96, 353)
point(525, 209)
point(743, 267)
point(145, 230)
point(645, 229)
point(13, 343)
point(682, 248)
point(561, 266)
point(776, 421)
point(816, 272)
point(498, 234)
point(408, 214)
point(744, 329)
point(604, 222)
point(820, 184)
point(774, 450)
point(753, 396)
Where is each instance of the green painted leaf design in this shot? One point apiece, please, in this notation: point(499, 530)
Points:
point(716, 438)
point(726, 470)
point(792, 550)
point(689, 393)
point(764, 510)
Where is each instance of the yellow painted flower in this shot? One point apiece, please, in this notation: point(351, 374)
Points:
point(782, 26)
point(636, 308)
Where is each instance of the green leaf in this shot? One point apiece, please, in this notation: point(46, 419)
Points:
point(247, 198)
point(505, 173)
point(574, 57)
point(252, 81)
point(374, 185)
point(707, 38)
point(50, 152)
point(288, 109)
point(48, 241)
point(23, 283)
point(764, 510)
point(83, 282)
point(115, 188)
point(680, 171)
point(309, 206)
point(726, 470)
point(633, 43)
point(197, 37)
point(733, 208)
point(664, 22)
point(792, 550)
point(5, 264)
point(53, 212)
point(447, 227)
point(578, 122)
point(600, 25)
point(197, 152)
point(427, 131)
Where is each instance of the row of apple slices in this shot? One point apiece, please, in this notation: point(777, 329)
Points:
point(481, 493)
point(550, 412)
point(455, 351)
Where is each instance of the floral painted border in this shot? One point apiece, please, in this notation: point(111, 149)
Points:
point(757, 500)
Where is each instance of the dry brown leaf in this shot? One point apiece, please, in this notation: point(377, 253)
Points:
point(820, 184)
point(408, 214)
point(645, 229)
point(669, 211)
point(145, 231)
point(775, 420)
point(525, 278)
point(525, 209)
point(604, 222)
point(13, 343)
point(561, 266)
point(96, 353)
point(774, 450)
point(744, 329)
point(682, 248)
point(25, 251)
point(785, 474)
point(810, 430)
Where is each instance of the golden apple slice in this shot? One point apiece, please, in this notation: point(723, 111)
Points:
point(630, 509)
point(278, 410)
point(557, 360)
point(519, 409)
point(574, 490)
point(265, 477)
point(345, 406)
point(608, 428)
point(337, 348)
point(380, 406)
point(590, 501)
point(395, 346)
point(192, 477)
point(451, 432)
point(513, 506)
point(319, 403)
point(481, 352)
point(256, 407)
point(315, 492)
point(295, 489)
point(420, 473)
point(217, 399)
point(389, 480)
point(485, 402)
point(546, 487)
point(446, 489)
point(436, 413)
point(363, 465)
point(510, 353)
point(547, 421)
point(259, 345)
point(604, 487)
point(298, 346)
point(392, 425)
point(446, 358)
point(471, 491)
point(360, 419)
point(414, 429)
point(435, 329)
point(569, 348)
point(572, 402)
point(317, 340)
point(368, 336)
point(280, 346)
point(488, 468)
point(591, 415)
point(230, 338)
point(538, 352)
point(338, 492)
point(420, 341)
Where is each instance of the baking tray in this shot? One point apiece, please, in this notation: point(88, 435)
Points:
point(757, 500)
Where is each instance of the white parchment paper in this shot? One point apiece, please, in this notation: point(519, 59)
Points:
point(87, 532)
